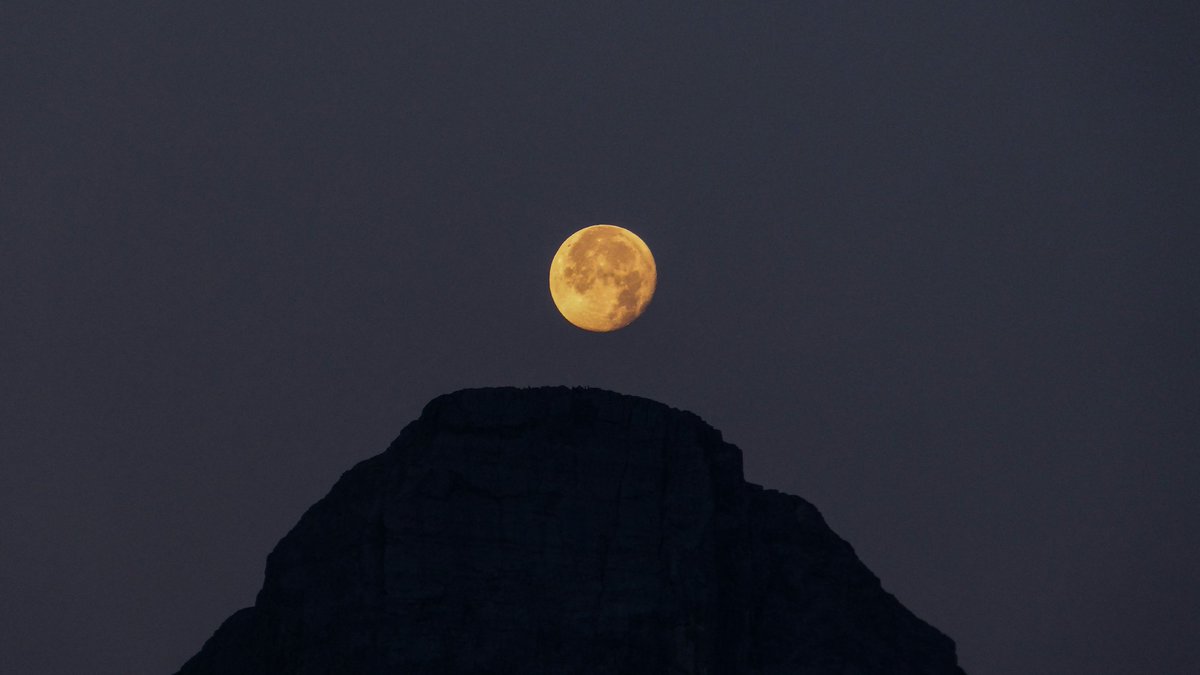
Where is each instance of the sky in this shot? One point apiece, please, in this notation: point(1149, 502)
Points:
point(930, 265)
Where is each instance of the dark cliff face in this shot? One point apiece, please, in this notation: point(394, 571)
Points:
point(561, 530)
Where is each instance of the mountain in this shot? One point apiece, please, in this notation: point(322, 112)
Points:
point(557, 530)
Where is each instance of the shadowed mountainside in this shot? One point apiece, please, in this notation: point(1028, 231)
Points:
point(557, 530)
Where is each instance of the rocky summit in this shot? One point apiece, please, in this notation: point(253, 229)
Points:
point(558, 530)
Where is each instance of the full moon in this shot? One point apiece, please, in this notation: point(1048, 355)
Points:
point(602, 278)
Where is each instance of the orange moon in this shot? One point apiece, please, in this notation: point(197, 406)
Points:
point(602, 278)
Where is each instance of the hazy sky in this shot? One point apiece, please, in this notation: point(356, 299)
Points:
point(932, 266)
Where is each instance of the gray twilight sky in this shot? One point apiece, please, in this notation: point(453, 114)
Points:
point(932, 266)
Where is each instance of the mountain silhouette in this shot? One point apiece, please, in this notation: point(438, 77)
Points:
point(558, 530)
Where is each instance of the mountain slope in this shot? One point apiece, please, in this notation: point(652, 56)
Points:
point(559, 530)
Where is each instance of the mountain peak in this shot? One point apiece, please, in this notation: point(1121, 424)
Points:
point(554, 530)
point(498, 407)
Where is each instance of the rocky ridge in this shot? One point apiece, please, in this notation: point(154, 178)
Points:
point(557, 530)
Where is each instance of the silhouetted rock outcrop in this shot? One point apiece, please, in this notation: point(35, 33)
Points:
point(561, 530)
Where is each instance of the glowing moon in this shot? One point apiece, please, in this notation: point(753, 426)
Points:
point(602, 278)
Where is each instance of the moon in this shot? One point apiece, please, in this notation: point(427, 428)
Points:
point(602, 278)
